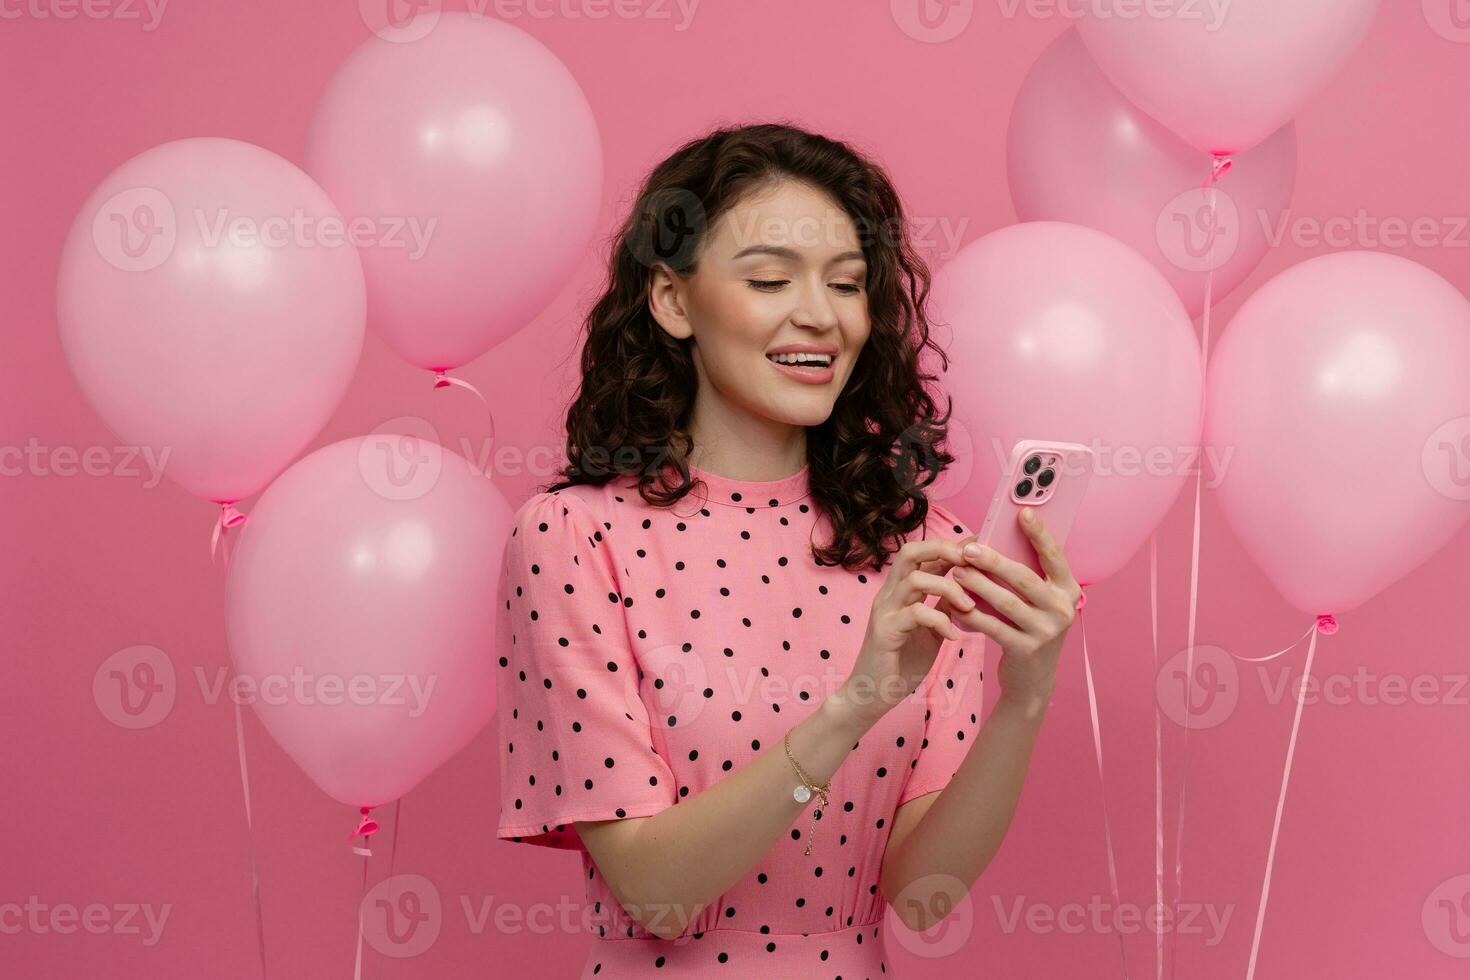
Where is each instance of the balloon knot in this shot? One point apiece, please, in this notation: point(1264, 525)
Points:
point(440, 380)
point(1219, 168)
point(1081, 601)
point(229, 516)
point(366, 827)
point(1326, 624)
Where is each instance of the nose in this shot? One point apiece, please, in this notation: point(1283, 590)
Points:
point(814, 308)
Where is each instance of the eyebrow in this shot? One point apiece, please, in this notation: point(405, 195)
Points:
point(781, 251)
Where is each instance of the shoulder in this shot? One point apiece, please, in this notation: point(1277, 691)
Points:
point(582, 505)
point(944, 522)
point(569, 516)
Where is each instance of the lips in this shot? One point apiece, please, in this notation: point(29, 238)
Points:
point(805, 375)
point(822, 364)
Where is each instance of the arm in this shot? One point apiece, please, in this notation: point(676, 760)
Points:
point(942, 841)
point(666, 868)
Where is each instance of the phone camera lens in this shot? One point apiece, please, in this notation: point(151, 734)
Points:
point(1023, 489)
point(1033, 463)
point(1046, 477)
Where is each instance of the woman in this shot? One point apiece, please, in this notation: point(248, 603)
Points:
point(722, 677)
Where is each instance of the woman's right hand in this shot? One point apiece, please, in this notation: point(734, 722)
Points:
point(904, 633)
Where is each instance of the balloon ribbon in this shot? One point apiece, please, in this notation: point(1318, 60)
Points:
point(228, 517)
point(1325, 625)
point(1219, 166)
point(442, 380)
point(1102, 782)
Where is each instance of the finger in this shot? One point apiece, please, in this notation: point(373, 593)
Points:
point(1053, 562)
point(939, 566)
point(975, 621)
point(925, 615)
point(1003, 600)
point(911, 555)
point(1021, 578)
point(923, 584)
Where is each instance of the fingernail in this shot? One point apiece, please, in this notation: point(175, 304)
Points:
point(1026, 515)
point(974, 551)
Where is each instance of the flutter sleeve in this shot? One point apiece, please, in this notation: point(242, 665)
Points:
point(953, 692)
point(575, 739)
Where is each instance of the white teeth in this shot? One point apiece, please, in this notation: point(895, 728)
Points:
point(816, 360)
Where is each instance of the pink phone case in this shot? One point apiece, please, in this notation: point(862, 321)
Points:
point(1056, 498)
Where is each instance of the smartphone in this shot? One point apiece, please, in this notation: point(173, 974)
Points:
point(1049, 476)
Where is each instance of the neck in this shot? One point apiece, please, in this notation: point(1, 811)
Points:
point(747, 448)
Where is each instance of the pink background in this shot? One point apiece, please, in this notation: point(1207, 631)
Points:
point(94, 564)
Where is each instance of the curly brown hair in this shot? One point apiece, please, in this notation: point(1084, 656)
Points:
point(881, 445)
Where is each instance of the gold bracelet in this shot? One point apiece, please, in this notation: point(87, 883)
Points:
point(803, 793)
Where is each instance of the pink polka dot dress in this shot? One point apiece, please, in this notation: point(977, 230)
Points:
point(645, 652)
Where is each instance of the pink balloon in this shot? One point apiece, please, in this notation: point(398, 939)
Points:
point(1061, 332)
point(1224, 76)
point(356, 607)
point(1339, 406)
point(1079, 151)
point(208, 313)
point(473, 159)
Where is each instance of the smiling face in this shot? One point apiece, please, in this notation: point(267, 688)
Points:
point(782, 269)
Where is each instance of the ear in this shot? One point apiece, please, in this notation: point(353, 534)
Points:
point(666, 302)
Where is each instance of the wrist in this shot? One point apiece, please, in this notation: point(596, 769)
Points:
point(1031, 705)
point(847, 712)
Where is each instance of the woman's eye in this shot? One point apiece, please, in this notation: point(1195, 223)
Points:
point(771, 285)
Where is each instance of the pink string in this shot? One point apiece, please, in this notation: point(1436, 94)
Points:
point(357, 963)
point(442, 380)
point(1102, 782)
point(1320, 626)
point(1218, 168)
point(250, 836)
point(1327, 626)
point(393, 853)
point(228, 517)
point(1153, 616)
point(366, 827)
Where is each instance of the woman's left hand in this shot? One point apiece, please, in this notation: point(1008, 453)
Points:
point(1038, 612)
